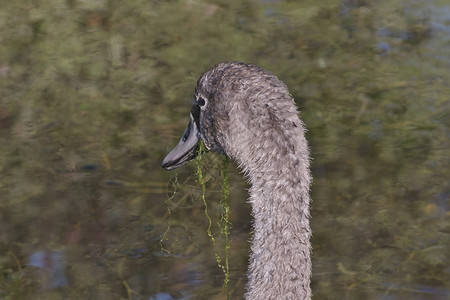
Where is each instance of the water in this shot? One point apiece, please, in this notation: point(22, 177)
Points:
point(94, 94)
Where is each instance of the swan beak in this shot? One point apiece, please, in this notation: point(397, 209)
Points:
point(185, 150)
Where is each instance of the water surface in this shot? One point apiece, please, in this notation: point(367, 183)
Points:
point(93, 94)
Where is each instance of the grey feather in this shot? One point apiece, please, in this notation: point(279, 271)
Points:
point(248, 114)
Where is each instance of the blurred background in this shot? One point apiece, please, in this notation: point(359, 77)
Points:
point(94, 93)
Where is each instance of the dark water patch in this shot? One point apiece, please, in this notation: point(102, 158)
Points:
point(89, 167)
point(137, 253)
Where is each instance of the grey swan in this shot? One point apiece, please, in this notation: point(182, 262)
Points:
point(247, 113)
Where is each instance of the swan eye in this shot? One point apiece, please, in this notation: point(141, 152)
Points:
point(201, 101)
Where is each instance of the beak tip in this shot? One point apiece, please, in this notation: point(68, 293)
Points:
point(167, 164)
point(185, 150)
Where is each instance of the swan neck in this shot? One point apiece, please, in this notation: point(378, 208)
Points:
point(280, 264)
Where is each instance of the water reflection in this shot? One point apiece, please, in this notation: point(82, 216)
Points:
point(52, 265)
point(162, 296)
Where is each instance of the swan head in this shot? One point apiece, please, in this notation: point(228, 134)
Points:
point(234, 103)
point(205, 116)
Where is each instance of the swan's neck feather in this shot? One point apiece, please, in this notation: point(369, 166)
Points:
point(277, 165)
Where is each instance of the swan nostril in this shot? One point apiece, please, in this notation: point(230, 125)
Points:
point(186, 134)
